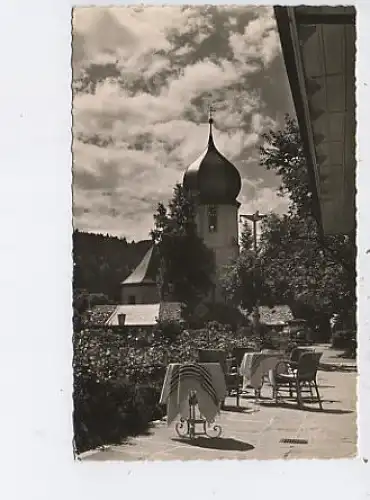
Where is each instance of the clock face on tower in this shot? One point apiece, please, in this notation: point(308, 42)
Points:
point(212, 219)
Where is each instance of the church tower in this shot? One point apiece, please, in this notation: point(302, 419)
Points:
point(215, 183)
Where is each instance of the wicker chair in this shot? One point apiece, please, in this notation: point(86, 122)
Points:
point(231, 378)
point(298, 380)
point(295, 355)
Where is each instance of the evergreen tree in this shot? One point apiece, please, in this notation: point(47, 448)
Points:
point(186, 264)
point(246, 238)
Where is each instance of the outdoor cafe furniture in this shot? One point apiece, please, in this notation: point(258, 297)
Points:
point(194, 391)
point(296, 353)
point(299, 380)
point(232, 377)
point(255, 367)
point(238, 354)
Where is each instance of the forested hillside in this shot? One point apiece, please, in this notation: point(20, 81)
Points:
point(101, 262)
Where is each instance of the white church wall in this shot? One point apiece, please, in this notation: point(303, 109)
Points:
point(139, 294)
point(222, 239)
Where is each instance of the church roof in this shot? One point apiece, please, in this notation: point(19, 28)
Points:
point(212, 177)
point(135, 315)
point(146, 271)
point(145, 314)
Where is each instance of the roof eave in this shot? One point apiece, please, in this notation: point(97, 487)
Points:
point(290, 47)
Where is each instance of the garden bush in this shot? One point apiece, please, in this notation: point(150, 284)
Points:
point(116, 389)
point(118, 376)
point(343, 339)
point(107, 411)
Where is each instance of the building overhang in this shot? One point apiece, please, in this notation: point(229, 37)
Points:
point(318, 45)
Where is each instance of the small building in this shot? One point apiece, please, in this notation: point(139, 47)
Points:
point(134, 315)
point(140, 305)
point(140, 287)
point(274, 317)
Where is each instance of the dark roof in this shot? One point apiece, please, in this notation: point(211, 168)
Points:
point(212, 177)
point(275, 315)
point(146, 271)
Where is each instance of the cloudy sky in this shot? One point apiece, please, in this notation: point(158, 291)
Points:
point(143, 81)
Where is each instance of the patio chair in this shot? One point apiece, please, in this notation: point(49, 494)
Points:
point(237, 358)
point(295, 355)
point(231, 378)
point(299, 380)
point(213, 356)
point(238, 354)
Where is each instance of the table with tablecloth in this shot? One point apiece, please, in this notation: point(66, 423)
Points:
point(206, 379)
point(256, 366)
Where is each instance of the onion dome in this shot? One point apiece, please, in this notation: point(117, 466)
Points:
point(212, 178)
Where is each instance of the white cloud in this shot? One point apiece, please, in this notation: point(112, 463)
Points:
point(259, 40)
point(128, 34)
point(204, 76)
point(132, 141)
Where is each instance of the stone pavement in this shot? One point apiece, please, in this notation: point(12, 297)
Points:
point(255, 430)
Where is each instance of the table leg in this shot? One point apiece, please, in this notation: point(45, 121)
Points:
point(257, 394)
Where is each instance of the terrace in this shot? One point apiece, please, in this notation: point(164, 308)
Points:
point(265, 430)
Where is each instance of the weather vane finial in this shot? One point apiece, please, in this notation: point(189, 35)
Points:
point(210, 121)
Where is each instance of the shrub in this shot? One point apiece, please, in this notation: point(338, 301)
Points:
point(227, 316)
point(116, 389)
point(167, 331)
point(343, 339)
point(107, 411)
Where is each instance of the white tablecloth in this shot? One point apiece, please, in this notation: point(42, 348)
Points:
point(255, 366)
point(207, 379)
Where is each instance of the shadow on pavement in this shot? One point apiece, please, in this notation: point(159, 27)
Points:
point(327, 367)
point(236, 409)
point(217, 443)
point(316, 409)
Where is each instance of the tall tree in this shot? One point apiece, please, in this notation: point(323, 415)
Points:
point(283, 153)
point(298, 269)
point(246, 237)
point(186, 264)
point(243, 282)
point(314, 274)
point(101, 262)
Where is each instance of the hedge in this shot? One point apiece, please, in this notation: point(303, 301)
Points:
point(118, 377)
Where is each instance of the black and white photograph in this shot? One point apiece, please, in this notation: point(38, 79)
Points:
point(214, 232)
